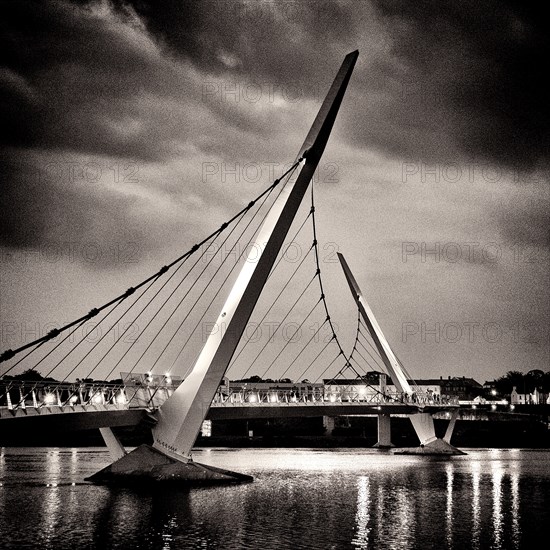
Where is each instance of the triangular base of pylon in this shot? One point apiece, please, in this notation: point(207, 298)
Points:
point(436, 447)
point(147, 464)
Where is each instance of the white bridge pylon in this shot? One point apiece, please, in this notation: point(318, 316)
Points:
point(181, 416)
point(422, 421)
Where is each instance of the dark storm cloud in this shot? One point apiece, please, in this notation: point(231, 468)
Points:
point(527, 224)
point(263, 39)
point(480, 66)
point(463, 78)
point(71, 80)
point(45, 209)
point(82, 88)
point(435, 82)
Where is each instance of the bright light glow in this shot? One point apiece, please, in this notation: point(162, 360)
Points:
point(49, 399)
point(474, 406)
point(206, 428)
point(362, 390)
point(493, 392)
point(273, 398)
point(493, 407)
point(168, 378)
point(512, 407)
point(97, 398)
point(251, 398)
point(332, 398)
point(73, 399)
point(121, 398)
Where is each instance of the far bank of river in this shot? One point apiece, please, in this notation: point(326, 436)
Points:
point(346, 432)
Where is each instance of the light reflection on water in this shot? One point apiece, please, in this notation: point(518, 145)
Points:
point(497, 475)
point(516, 531)
point(476, 508)
point(362, 516)
point(303, 499)
point(449, 506)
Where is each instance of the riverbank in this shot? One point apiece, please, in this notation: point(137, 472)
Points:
point(348, 432)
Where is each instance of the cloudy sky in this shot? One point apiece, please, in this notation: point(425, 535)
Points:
point(123, 121)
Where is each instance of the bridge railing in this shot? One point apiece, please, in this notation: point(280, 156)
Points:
point(319, 396)
point(18, 394)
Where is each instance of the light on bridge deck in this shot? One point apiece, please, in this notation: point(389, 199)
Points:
point(121, 398)
point(206, 428)
point(98, 398)
point(50, 399)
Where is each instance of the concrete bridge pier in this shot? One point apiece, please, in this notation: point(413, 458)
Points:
point(328, 424)
point(384, 431)
point(116, 449)
point(423, 425)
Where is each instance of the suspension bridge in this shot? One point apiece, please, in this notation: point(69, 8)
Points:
point(202, 318)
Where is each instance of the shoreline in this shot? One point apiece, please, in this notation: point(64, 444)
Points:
point(359, 432)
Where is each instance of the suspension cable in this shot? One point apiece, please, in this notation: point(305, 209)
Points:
point(204, 290)
point(280, 325)
point(291, 338)
point(271, 306)
point(168, 298)
point(9, 353)
point(303, 349)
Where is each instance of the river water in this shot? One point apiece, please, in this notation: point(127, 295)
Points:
point(301, 498)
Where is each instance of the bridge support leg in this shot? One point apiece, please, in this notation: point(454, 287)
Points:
point(384, 431)
point(451, 427)
point(422, 422)
point(430, 444)
point(116, 449)
point(328, 424)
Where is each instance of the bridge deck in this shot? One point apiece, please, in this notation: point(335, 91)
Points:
point(88, 406)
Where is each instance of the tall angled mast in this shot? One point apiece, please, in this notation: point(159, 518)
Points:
point(181, 416)
point(384, 348)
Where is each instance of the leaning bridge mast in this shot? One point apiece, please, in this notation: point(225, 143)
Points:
point(180, 417)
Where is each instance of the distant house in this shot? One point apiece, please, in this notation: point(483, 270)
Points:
point(465, 389)
point(461, 388)
point(298, 388)
point(535, 398)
